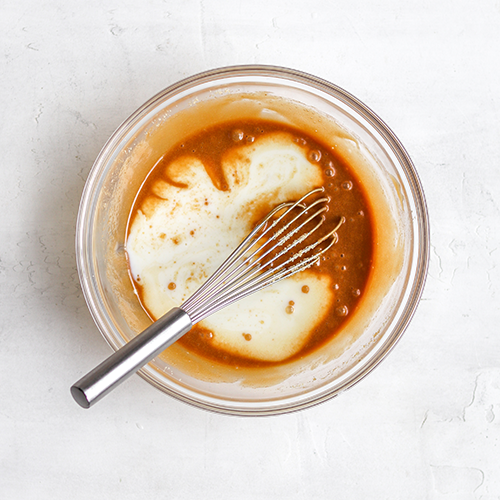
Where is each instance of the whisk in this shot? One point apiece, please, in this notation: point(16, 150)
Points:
point(280, 245)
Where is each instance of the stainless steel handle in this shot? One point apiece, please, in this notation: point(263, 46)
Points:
point(132, 356)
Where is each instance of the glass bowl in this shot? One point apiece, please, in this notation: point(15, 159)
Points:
point(136, 146)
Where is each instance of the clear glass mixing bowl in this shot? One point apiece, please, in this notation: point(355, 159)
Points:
point(114, 180)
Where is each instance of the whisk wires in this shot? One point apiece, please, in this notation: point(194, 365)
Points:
point(266, 255)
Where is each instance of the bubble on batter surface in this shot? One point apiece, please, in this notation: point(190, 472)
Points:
point(342, 311)
point(237, 135)
point(314, 155)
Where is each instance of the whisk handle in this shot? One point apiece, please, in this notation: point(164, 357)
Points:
point(132, 356)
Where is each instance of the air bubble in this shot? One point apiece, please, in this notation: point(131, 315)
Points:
point(247, 336)
point(347, 185)
point(237, 135)
point(330, 170)
point(290, 309)
point(314, 155)
point(342, 311)
point(356, 292)
point(172, 286)
point(250, 138)
point(305, 289)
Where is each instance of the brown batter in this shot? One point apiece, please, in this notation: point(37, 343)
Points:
point(349, 262)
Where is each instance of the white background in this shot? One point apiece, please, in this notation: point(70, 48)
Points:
point(424, 425)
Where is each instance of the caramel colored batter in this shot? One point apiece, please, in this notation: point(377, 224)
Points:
point(347, 265)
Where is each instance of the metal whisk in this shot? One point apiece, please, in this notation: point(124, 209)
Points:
point(278, 247)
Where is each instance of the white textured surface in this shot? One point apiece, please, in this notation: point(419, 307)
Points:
point(424, 425)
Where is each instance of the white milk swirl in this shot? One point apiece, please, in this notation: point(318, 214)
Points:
point(182, 234)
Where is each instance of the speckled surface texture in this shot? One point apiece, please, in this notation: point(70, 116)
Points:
point(424, 425)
